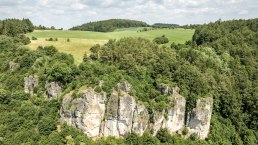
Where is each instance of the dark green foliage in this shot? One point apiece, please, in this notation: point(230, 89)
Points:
point(15, 27)
point(133, 139)
point(34, 38)
point(162, 25)
point(161, 40)
point(46, 126)
point(109, 25)
point(163, 135)
point(185, 131)
point(51, 39)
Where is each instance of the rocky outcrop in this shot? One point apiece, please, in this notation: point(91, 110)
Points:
point(164, 89)
point(53, 90)
point(13, 66)
point(199, 119)
point(85, 112)
point(120, 114)
point(176, 113)
point(30, 83)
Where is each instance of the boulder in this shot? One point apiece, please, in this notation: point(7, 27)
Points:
point(30, 83)
point(53, 90)
point(13, 66)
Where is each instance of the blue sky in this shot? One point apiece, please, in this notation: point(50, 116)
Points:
point(68, 13)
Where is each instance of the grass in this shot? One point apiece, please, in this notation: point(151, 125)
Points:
point(81, 41)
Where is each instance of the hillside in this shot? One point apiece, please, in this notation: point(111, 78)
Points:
point(109, 25)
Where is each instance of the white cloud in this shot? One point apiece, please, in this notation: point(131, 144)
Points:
point(67, 13)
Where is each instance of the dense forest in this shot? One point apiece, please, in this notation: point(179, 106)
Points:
point(109, 25)
point(220, 61)
point(163, 25)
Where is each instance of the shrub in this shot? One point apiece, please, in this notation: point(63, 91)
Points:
point(161, 40)
point(163, 135)
point(185, 131)
point(68, 40)
point(193, 136)
point(34, 38)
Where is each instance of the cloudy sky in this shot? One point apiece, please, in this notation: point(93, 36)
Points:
point(67, 13)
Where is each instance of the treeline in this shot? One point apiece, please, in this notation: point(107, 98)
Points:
point(163, 25)
point(41, 27)
point(14, 27)
point(109, 25)
point(173, 26)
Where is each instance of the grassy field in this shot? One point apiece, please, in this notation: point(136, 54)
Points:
point(81, 41)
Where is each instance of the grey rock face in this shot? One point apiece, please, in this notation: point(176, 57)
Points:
point(85, 113)
point(176, 114)
point(200, 117)
point(30, 83)
point(53, 90)
point(120, 112)
point(110, 126)
point(140, 119)
point(176, 90)
point(157, 121)
point(13, 66)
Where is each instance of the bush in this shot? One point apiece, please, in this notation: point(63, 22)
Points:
point(163, 135)
point(133, 139)
point(161, 40)
point(34, 38)
point(68, 40)
point(185, 131)
point(193, 136)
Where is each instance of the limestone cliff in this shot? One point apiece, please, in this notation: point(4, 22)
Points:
point(200, 117)
point(119, 114)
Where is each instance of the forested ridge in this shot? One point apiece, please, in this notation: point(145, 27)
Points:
point(221, 62)
point(109, 25)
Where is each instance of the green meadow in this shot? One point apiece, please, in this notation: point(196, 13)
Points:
point(82, 41)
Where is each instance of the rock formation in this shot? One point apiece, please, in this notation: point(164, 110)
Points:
point(30, 83)
point(176, 113)
point(13, 66)
point(120, 114)
point(53, 90)
point(200, 117)
point(85, 112)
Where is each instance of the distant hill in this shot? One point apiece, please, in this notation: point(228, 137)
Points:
point(109, 25)
point(164, 25)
